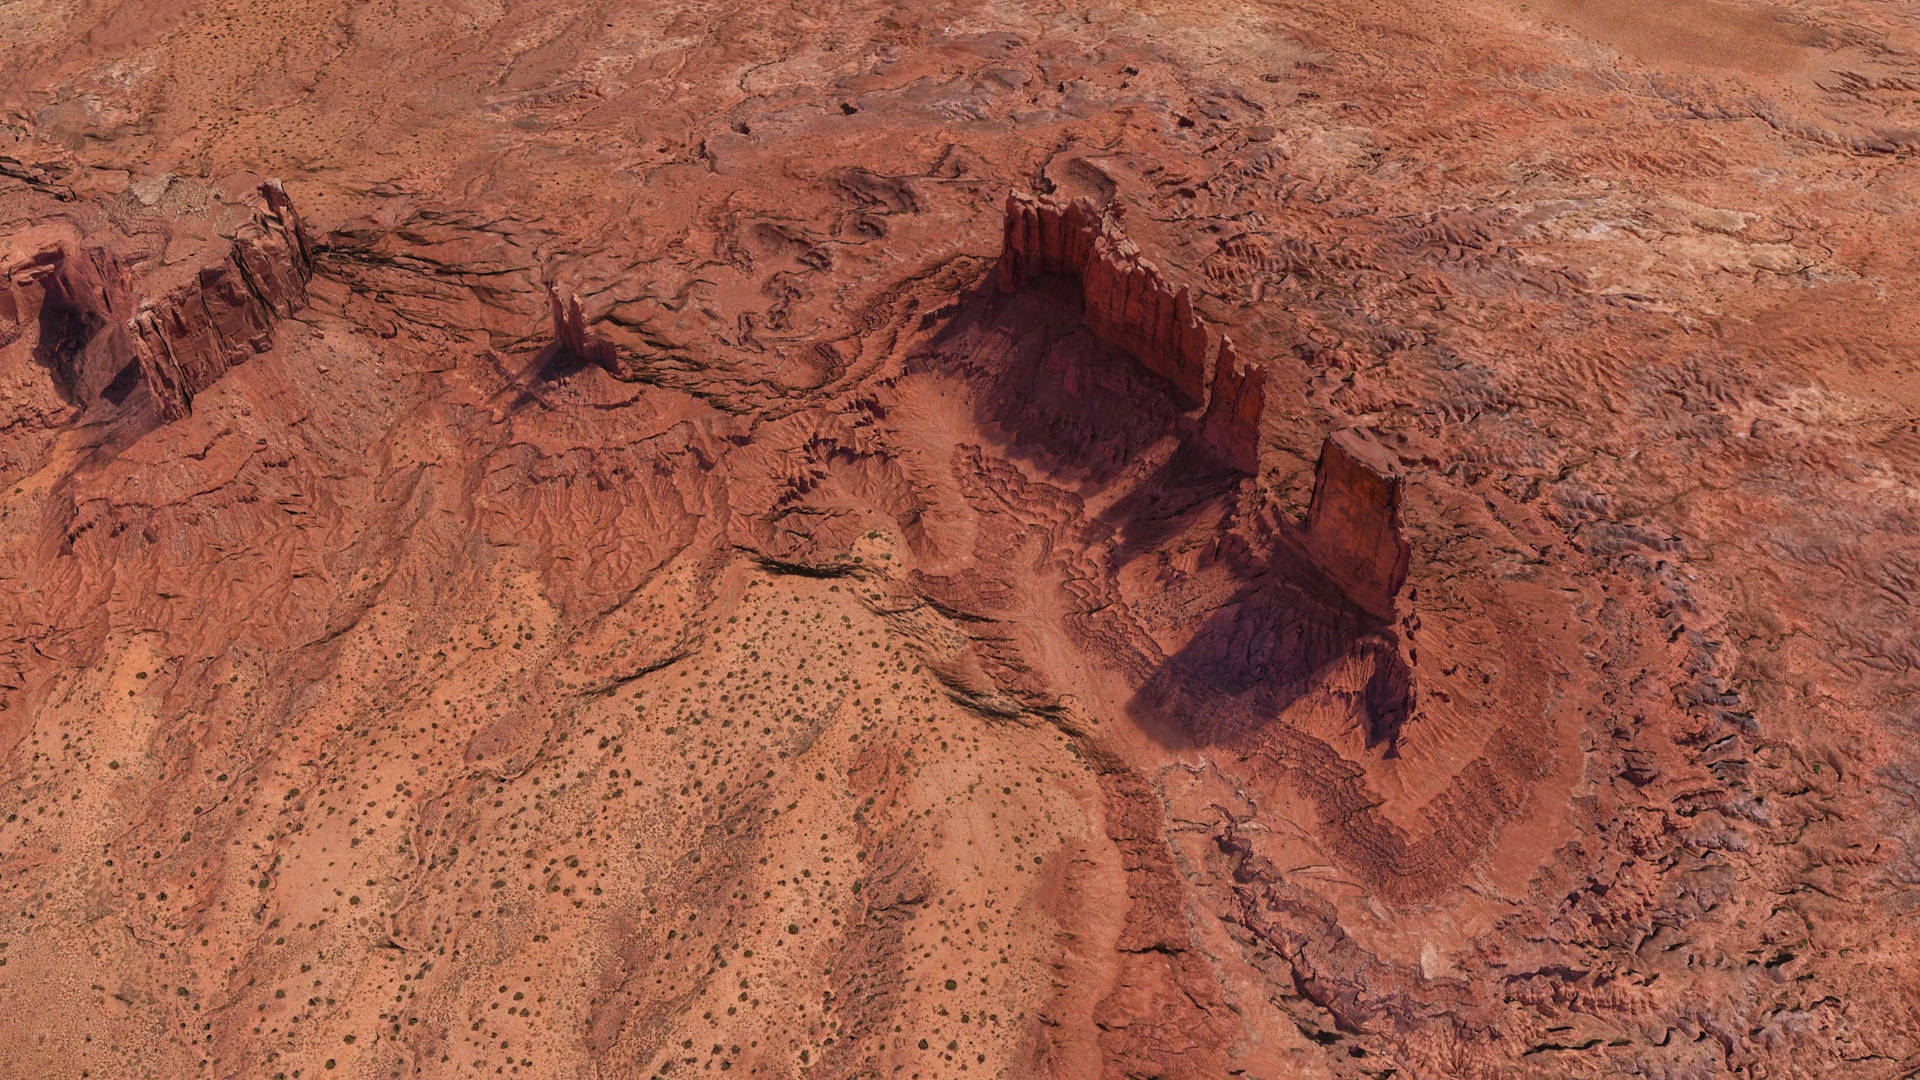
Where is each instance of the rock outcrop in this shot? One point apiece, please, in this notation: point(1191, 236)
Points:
point(1231, 427)
point(571, 336)
point(91, 300)
point(1353, 523)
point(66, 307)
point(197, 330)
point(1128, 303)
point(863, 679)
point(839, 656)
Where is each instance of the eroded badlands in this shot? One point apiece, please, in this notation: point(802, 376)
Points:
point(1172, 540)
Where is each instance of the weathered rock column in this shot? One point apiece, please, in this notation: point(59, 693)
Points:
point(1353, 523)
point(1231, 426)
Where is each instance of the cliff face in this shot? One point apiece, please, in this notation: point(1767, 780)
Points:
point(1234, 407)
point(1353, 524)
point(1128, 303)
point(195, 332)
point(867, 677)
point(63, 311)
point(86, 300)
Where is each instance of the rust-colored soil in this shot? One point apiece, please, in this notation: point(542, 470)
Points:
point(552, 540)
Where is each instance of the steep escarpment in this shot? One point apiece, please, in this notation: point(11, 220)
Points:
point(189, 335)
point(1127, 301)
point(173, 292)
point(1399, 563)
point(1353, 528)
point(65, 307)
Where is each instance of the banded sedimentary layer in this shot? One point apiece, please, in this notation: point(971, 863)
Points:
point(66, 305)
point(99, 306)
point(1235, 406)
point(865, 673)
point(1126, 300)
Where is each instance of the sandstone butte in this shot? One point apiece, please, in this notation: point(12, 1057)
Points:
point(960, 540)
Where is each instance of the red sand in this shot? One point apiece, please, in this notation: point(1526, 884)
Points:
point(615, 575)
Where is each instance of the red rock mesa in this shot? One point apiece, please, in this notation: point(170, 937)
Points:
point(1128, 303)
point(852, 674)
point(1353, 523)
point(93, 318)
point(194, 332)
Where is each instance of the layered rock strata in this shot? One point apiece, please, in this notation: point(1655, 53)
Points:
point(93, 317)
point(193, 333)
point(66, 308)
point(1231, 427)
point(1128, 303)
point(1353, 524)
point(571, 335)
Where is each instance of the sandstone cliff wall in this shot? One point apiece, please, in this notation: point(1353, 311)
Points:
point(1128, 303)
point(1353, 523)
point(66, 306)
point(1234, 406)
point(192, 334)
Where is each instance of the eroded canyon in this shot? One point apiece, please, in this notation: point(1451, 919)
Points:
point(1056, 540)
